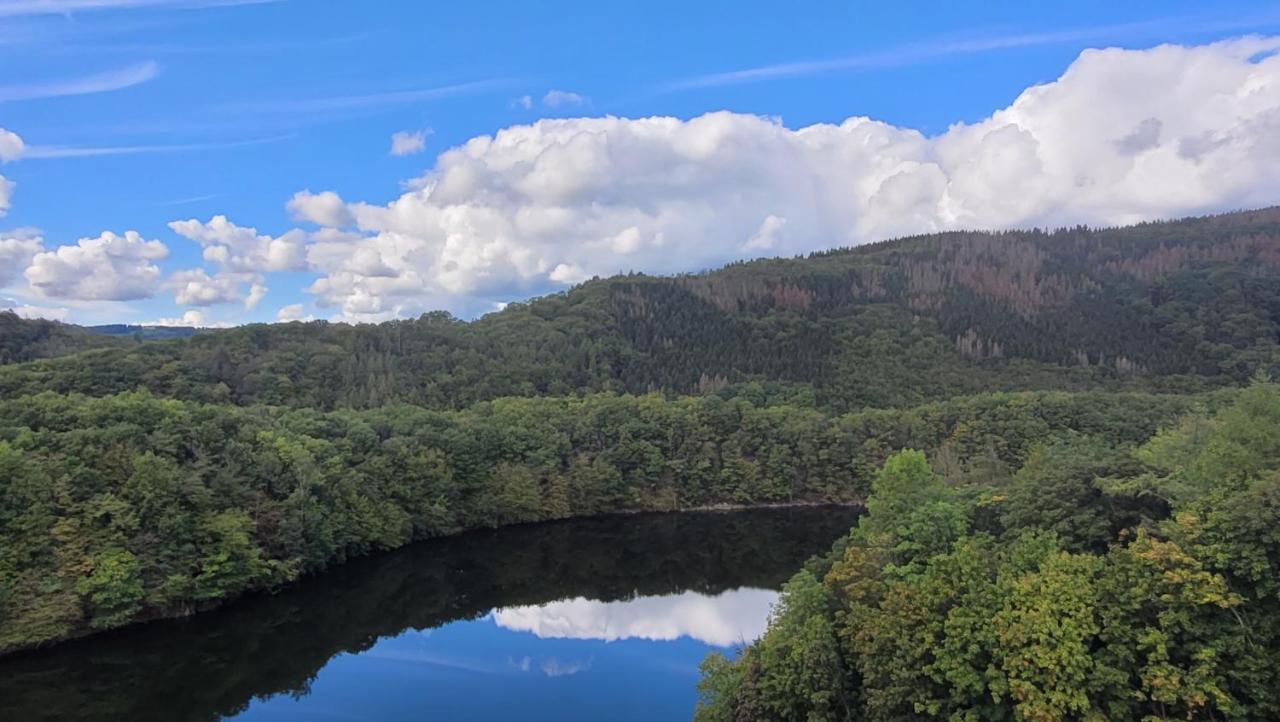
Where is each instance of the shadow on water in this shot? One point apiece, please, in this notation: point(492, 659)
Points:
point(214, 664)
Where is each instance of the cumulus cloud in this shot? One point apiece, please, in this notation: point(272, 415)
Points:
point(16, 252)
point(562, 98)
point(190, 318)
point(6, 193)
point(195, 287)
point(11, 148)
point(109, 267)
point(242, 256)
point(324, 209)
point(408, 142)
point(535, 207)
point(244, 250)
point(293, 312)
point(257, 292)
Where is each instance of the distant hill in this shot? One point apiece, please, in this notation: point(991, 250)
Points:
point(1180, 305)
point(146, 333)
point(29, 339)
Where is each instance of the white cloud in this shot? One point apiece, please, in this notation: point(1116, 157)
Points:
point(6, 193)
point(524, 101)
point(939, 49)
point(17, 8)
point(195, 287)
point(190, 318)
point(257, 292)
point(293, 312)
point(723, 620)
point(16, 252)
point(242, 256)
point(28, 311)
point(562, 98)
point(244, 250)
point(76, 151)
point(107, 268)
point(334, 103)
point(408, 142)
point(766, 236)
point(11, 146)
point(324, 209)
point(534, 207)
point(108, 81)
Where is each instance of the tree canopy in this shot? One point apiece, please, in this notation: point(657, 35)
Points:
point(1144, 586)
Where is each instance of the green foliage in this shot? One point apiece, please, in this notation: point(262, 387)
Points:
point(801, 670)
point(30, 339)
point(211, 501)
point(1181, 306)
point(719, 684)
point(1059, 490)
point(147, 478)
point(1093, 603)
point(113, 589)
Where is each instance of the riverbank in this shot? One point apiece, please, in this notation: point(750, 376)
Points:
point(212, 665)
point(130, 508)
point(215, 605)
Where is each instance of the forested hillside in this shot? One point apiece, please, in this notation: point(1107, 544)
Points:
point(132, 507)
point(26, 340)
point(1177, 306)
point(144, 478)
point(1101, 581)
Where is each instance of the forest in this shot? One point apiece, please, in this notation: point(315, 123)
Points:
point(132, 507)
point(149, 475)
point(1100, 580)
point(1179, 306)
point(276, 644)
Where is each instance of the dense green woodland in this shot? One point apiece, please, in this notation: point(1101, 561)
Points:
point(1099, 581)
point(131, 507)
point(143, 476)
point(1178, 306)
point(26, 340)
point(212, 666)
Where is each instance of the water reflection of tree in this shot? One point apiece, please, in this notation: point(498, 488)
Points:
point(214, 664)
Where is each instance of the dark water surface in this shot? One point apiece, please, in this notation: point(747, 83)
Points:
point(592, 619)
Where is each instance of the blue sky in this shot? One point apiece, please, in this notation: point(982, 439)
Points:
point(133, 114)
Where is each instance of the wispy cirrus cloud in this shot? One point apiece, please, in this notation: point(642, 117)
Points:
point(104, 82)
point(230, 48)
point(65, 151)
point(20, 8)
point(358, 101)
point(185, 201)
point(917, 53)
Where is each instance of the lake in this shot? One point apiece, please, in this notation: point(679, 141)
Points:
point(602, 618)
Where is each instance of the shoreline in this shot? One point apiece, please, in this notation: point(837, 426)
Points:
point(220, 603)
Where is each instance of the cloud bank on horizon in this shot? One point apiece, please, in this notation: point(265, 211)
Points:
point(1121, 136)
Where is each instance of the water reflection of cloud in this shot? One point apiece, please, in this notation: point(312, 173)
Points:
point(553, 667)
point(722, 620)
